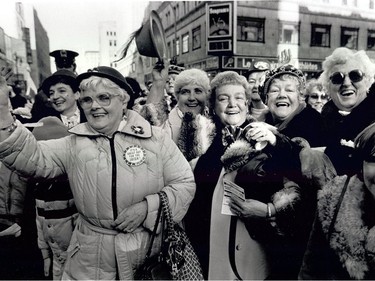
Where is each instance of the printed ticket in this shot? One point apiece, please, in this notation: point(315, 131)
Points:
point(231, 189)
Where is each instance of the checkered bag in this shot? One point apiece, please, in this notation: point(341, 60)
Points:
point(177, 259)
point(181, 256)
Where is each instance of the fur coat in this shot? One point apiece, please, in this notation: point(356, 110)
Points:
point(349, 251)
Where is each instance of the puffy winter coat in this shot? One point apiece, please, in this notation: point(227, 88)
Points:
point(107, 175)
point(12, 197)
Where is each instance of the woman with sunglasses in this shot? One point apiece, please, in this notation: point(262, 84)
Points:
point(315, 95)
point(116, 164)
point(348, 76)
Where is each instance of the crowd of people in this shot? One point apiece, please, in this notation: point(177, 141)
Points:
point(270, 174)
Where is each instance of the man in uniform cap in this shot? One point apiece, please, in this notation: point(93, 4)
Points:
point(65, 59)
point(255, 77)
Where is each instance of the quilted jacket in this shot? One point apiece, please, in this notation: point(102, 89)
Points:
point(105, 179)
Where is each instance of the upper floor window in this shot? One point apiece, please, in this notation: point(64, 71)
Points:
point(371, 39)
point(250, 29)
point(177, 47)
point(345, 2)
point(185, 43)
point(371, 4)
point(289, 32)
point(349, 37)
point(320, 35)
point(196, 38)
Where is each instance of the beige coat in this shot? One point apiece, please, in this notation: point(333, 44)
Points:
point(105, 179)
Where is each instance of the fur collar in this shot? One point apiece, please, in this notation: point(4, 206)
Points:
point(196, 135)
point(237, 155)
point(351, 240)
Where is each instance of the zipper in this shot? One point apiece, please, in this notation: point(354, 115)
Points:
point(114, 177)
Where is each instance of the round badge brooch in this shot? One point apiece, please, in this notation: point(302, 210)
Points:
point(134, 155)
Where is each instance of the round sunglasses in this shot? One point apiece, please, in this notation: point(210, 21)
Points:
point(338, 78)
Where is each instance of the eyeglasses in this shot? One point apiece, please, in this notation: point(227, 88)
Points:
point(316, 97)
point(103, 99)
point(338, 78)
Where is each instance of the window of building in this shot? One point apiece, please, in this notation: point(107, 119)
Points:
point(371, 39)
point(345, 2)
point(169, 46)
point(250, 29)
point(184, 7)
point(114, 33)
point(371, 4)
point(110, 42)
point(197, 38)
point(349, 37)
point(185, 43)
point(114, 43)
point(177, 47)
point(289, 33)
point(320, 35)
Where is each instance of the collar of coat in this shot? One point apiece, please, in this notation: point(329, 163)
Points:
point(351, 239)
point(136, 126)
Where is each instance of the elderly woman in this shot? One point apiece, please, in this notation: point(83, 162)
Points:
point(316, 95)
point(342, 243)
point(116, 163)
point(239, 190)
point(185, 122)
point(347, 76)
point(283, 88)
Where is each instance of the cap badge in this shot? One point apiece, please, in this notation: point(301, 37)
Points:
point(261, 65)
point(134, 155)
point(137, 130)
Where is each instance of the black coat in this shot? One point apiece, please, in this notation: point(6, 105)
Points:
point(307, 124)
point(338, 127)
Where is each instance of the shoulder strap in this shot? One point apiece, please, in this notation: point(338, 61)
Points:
point(338, 207)
point(154, 231)
point(231, 246)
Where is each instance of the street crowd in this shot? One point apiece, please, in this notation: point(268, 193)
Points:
point(271, 175)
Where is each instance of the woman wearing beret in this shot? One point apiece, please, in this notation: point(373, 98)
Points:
point(283, 88)
point(348, 76)
point(241, 237)
point(116, 163)
point(342, 243)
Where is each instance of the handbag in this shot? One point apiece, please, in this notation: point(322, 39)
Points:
point(177, 259)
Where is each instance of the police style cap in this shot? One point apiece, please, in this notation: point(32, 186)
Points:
point(175, 69)
point(64, 58)
point(259, 65)
point(61, 76)
point(111, 74)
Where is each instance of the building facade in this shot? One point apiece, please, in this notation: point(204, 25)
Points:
point(220, 35)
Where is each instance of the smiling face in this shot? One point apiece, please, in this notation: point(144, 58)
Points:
point(317, 99)
point(231, 104)
point(104, 118)
point(283, 97)
point(349, 94)
point(63, 99)
point(192, 98)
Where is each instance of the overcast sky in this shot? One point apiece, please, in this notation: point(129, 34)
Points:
point(74, 24)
